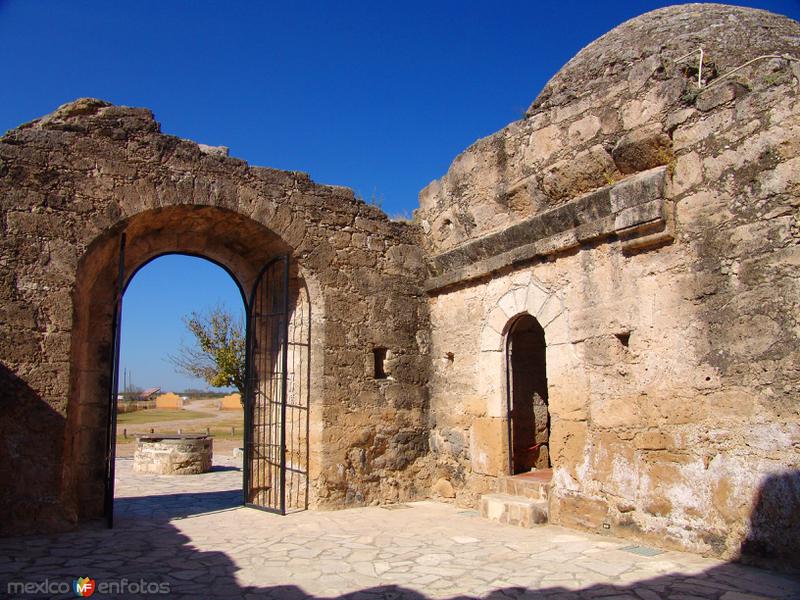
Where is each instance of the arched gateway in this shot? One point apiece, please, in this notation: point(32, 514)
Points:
point(278, 308)
point(311, 260)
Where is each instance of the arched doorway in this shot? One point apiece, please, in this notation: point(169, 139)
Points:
point(527, 402)
point(278, 310)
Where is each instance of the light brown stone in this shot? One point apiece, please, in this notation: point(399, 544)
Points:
point(660, 507)
point(568, 444)
point(489, 446)
point(578, 511)
point(443, 488)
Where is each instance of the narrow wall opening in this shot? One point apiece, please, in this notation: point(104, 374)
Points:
point(528, 413)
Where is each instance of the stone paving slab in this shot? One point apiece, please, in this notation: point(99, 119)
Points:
point(188, 532)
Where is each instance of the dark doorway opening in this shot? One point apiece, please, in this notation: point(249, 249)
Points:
point(528, 414)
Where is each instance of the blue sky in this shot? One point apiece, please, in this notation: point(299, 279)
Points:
point(157, 299)
point(377, 96)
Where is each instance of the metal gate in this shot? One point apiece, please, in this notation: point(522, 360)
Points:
point(276, 426)
point(111, 425)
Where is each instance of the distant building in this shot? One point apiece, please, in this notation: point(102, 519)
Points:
point(231, 402)
point(148, 394)
point(169, 401)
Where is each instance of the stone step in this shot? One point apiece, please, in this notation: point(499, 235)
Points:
point(513, 510)
point(524, 486)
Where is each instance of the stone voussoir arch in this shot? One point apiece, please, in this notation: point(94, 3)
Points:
point(229, 239)
point(532, 298)
point(528, 296)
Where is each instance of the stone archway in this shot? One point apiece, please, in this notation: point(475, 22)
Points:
point(232, 241)
point(72, 182)
point(530, 297)
point(524, 296)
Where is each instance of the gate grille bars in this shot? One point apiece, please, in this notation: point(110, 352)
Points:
point(265, 447)
point(298, 384)
point(276, 395)
point(276, 398)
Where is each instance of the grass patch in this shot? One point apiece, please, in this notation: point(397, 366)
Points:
point(154, 415)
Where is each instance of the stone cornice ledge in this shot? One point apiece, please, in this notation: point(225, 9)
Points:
point(633, 210)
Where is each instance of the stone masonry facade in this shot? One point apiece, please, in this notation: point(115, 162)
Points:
point(649, 224)
point(652, 229)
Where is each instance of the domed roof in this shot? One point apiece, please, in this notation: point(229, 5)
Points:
point(729, 36)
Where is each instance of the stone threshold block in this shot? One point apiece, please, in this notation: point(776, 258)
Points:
point(532, 489)
point(513, 510)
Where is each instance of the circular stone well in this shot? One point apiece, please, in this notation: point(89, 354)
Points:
point(173, 454)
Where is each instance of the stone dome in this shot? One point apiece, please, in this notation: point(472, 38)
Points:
point(729, 36)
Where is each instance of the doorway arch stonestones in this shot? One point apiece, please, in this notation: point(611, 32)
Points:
point(72, 182)
point(522, 293)
point(227, 238)
point(526, 296)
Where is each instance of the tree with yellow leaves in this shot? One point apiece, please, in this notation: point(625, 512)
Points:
point(218, 355)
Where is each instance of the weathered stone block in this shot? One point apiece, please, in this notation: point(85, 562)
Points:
point(616, 411)
point(543, 143)
point(638, 189)
point(585, 171)
point(654, 440)
point(637, 216)
point(568, 444)
point(443, 488)
point(584, 129)
point(513, 510)
point(688, 173)
point(718, 95)
point(578, 511)
point(524, 487)
point(535, 299)
point(489, 446)
point(642, 149)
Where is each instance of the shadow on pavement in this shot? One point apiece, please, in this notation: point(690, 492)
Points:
point(223, 468)
point(147, 549)
point(170, 506)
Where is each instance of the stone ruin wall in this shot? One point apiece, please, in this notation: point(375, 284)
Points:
point(70, 183)
point(627, 204)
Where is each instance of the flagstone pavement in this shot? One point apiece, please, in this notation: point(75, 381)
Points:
point(189, 535)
